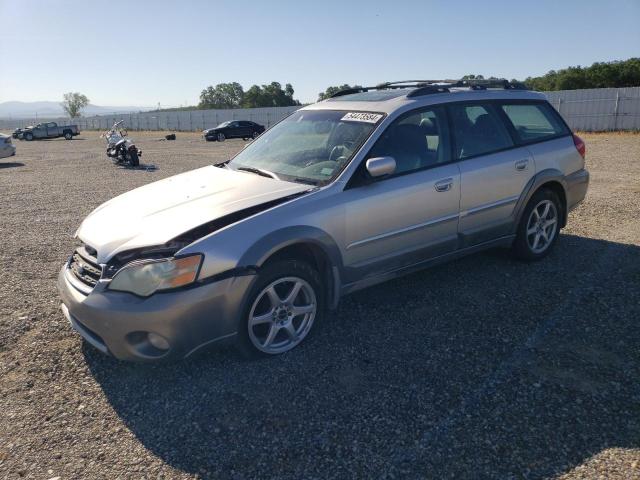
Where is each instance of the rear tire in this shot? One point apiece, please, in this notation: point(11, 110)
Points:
point(271, 325)
point(68, 136)
point(539, 227)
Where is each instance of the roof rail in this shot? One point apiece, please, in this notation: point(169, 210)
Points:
point(425, 87)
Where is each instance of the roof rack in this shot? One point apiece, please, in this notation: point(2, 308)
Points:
point(426, 87)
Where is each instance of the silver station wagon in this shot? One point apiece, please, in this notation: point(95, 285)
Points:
point(355, 190)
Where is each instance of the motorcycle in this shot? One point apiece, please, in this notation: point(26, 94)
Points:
point(120, 148)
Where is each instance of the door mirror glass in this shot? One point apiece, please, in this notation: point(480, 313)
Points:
point(381, 166)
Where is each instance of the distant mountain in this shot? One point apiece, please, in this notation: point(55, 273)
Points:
point(53, 109)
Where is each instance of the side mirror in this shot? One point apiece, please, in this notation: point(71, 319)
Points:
point(381, 166)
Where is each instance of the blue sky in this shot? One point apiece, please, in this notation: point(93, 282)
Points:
point(143, 52)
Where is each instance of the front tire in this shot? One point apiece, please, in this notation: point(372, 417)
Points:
point(221, 137)
point(28, 136)
point(284, 304)
point(68, 136)
point(539, 227)
point(134, 160)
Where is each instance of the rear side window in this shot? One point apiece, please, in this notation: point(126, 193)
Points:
point(477, 130)
point(534, 121)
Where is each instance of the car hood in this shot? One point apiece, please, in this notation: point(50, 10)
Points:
point(156, 213)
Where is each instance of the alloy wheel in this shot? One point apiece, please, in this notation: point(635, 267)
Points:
point(541, 226)
point(282, 315)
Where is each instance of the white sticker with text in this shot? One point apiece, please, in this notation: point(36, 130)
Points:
point(361, 117)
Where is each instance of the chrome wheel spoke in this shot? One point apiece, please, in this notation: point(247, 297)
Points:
point(532, 230)
point(271, 336)
point(302, 309)
point(264, 318)
point(274, 298)
point(536, 214)
point(536, 241)
point(545, 213)
point(291, 332)
point(294, 293)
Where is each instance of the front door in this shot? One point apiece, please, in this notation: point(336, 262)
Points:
point(52, 129)
point(397, 221)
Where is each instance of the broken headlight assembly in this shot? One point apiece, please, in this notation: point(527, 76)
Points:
point(145, 277)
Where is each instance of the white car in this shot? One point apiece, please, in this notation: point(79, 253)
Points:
point(7, 149)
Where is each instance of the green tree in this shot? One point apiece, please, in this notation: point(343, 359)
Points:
point(614, 74)
point(333, 90)
point(272, 95)
point(73, 102)
point(223, 95)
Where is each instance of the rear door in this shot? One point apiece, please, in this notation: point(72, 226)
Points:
point(245, 129)
point(494, 171)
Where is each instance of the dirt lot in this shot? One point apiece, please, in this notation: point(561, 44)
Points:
point(481, 368)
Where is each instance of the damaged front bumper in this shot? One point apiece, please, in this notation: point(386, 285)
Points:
point(128, 327)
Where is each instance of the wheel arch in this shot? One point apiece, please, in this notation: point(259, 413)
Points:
point(310, 244)
point(551, 179)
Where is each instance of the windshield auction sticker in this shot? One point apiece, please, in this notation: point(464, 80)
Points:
point(361, 117)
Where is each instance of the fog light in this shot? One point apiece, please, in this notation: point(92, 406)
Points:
point(158, 341)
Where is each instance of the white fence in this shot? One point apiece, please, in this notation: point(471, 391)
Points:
point(187, 120)
point(598, 109)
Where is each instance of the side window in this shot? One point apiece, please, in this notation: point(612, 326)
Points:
point(477, 130)
point(419, 140)
point(534, 121)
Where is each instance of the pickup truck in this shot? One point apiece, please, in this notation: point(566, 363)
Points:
point(49, 130)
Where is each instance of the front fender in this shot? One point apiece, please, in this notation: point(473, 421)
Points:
point(263, 249)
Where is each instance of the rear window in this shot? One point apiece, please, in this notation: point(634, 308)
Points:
point(534, 121)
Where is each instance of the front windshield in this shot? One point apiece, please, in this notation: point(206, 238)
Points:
point(310, 146)
point(223, 124)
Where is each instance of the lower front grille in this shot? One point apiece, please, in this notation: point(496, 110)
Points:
point(85, 267)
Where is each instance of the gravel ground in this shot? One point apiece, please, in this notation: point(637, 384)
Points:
point(481, 368)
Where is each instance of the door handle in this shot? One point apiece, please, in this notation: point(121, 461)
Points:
point(444, 185)
point(522, 164)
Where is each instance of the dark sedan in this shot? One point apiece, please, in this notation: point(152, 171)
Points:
point(233, 129)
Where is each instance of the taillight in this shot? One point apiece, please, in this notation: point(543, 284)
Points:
point(580, 146)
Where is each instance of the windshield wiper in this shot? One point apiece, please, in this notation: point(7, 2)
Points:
point(258, 171)
point(308, 181)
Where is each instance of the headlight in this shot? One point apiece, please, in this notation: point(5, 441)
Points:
point(147, 277)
